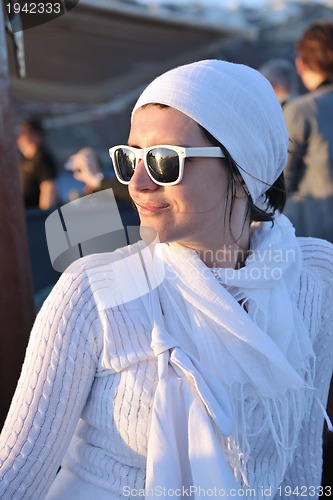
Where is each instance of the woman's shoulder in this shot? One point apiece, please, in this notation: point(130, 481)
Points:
point(96, 271)
point(318, 256)
point(112, 278)
point(92, 267)
point(317, 275)
point(315, 297)
point(98, 260)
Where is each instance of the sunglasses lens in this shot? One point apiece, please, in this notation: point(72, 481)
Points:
point(163, 164)
point(125, 163)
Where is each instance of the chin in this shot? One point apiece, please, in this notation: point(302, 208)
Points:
point(150, 234)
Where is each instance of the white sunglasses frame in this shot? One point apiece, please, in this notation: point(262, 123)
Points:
point(183, 153)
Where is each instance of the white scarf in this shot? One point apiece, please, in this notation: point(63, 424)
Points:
point(215, 359)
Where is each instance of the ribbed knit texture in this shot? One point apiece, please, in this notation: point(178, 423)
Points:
point(93, 372)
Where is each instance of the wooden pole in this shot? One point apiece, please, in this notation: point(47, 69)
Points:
point(16, 291)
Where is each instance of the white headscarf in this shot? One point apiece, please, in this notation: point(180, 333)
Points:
point(235, 104)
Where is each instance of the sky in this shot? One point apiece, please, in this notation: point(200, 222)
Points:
point(208, 3)
point(231, 3)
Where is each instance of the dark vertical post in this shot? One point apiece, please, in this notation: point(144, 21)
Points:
point(16, 295)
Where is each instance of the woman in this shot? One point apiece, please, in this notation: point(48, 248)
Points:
point(185, 367)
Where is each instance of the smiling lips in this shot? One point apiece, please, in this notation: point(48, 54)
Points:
point(150, 208)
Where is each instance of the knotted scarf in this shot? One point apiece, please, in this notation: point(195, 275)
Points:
point(234, 358)
point(228, 348)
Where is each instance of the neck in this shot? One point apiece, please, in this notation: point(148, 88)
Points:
point(228, 256)
point(229, 251)
point(312, 80)
point(30, 151)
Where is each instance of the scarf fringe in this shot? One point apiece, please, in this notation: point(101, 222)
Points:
point(282, 416)
point(281, 424)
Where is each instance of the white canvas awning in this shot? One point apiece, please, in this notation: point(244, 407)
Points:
point(102, 48)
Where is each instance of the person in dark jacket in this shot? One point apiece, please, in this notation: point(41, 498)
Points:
point(37, 167)
point(309, 171)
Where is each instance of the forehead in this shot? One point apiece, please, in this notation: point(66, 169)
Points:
point(155, 123)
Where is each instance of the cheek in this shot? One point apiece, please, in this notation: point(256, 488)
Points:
point(203, 203)
point(207, 192)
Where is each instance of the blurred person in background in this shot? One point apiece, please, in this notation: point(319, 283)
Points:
point(282, 75)
point(38, 170)
point(309, 118)
point(87, 168)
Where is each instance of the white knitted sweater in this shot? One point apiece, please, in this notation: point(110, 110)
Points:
point(91, 374)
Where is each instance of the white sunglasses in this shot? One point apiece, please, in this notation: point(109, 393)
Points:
point(164, 164)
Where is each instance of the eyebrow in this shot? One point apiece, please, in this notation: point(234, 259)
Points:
point(165, 143)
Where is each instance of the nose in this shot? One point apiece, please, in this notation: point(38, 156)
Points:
point(140, 180)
